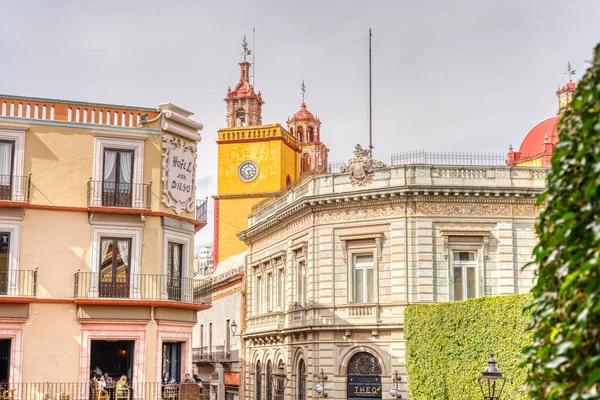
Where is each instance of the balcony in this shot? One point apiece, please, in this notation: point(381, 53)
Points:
point(18, 283)
point(201, 210)
point(131, 288)
point(218, 354)
point(15, 188)
point(119, 194)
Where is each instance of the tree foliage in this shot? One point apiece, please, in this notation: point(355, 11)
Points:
point(564, 361)
point(448, 345)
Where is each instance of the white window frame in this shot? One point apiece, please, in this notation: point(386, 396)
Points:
point(16, 134)
point(281, 289)
point(133, 233)
point(259, 294)
point(121, 141)
point(14, 230)
point(183, 238)
point(270, 291)
point(465, 264)
point(355, 256)
point(302, 281)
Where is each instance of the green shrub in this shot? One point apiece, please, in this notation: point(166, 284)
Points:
point(564, 362)
point(448, 345)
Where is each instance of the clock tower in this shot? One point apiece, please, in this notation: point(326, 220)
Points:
point(255, 161)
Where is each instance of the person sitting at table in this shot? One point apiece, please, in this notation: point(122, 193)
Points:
point(101, 382)
point(122, 387)
point(108, 380)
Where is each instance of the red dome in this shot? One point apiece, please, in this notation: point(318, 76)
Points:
point(304, 113)
point(534, 141)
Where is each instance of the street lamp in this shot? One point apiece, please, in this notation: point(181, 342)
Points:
point(320, 388)
point(491, 381)
point(233, 327)
point(394, 391)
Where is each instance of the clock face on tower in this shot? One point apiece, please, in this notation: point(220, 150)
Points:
point(248, 171)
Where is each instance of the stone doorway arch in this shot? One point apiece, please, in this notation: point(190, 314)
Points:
point(363, 377)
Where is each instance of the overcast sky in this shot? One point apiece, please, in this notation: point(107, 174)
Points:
point(447, 75)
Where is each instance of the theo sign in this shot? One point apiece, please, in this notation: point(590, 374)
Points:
point(364, 386)
point(179, 174)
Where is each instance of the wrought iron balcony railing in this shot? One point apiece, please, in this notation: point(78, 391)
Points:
point(88, 390)
point(18, 283)
point(15, 188)
point(215, 354)
point(94, 285)
point(119, 194)
point(201, 210)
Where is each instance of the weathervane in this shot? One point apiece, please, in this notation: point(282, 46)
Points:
point(246, 51)
point(570, 72)
point(303, 89)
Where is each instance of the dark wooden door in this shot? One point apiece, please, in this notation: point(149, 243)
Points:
point(117, 187)
point(174, 257)
point(6, 163)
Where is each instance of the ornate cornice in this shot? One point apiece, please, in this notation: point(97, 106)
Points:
point(385, 203)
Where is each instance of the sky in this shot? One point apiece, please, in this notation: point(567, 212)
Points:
point(461, 75)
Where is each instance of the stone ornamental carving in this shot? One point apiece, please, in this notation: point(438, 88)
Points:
point(364, 364)
point(361, 167)
point(179, 174)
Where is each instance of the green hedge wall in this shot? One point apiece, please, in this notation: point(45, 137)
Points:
point(448, 344)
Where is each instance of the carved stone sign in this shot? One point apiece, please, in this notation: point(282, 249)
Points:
point(179, 174)
point(361, 167)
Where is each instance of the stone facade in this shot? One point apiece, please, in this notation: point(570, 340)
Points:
point(332, 266)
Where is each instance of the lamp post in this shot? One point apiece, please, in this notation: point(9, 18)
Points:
point(394, 391)
point(233, 327)
point(320, 387)
point(491, 381)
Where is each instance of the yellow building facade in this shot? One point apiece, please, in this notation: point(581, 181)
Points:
point(97, 218)
point(255, 161)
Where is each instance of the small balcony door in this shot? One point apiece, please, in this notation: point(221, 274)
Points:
point(174, 258)
point(117, 182)
point(4, 249)
point(6, 165)
point(114, 267)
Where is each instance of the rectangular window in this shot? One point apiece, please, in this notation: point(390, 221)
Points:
point(4, 250)
point(7, 149)
point(363, 278)
point(464, 265)
point(174, 260)
point(281, 290)
point(227, 336)
point(270, 292)
point(202, 339)
point(259, 295)
point(210, 338)
point(114, 267)
point(301, 283)
point(117, 178)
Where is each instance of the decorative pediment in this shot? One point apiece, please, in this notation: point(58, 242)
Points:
point(362, 167)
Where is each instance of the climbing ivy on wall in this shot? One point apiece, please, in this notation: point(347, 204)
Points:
point(448, 345)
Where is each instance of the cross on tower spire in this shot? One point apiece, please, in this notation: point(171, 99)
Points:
point(303, 89)
point(245, 50)
point(570, 72)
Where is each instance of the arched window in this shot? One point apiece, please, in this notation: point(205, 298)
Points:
point(240, 117)
point(269, 381)
point(300, 133)
point(305, 167)
point(258, 381)
point(311, 134)
point(301, 380)
point(364, 364)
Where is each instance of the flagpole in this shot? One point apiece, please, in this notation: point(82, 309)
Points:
point(370, 101)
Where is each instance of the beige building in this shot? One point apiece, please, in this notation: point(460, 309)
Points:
point(98, 213)
point(217, 340)
point(333, 263)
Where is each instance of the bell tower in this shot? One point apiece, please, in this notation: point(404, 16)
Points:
point(255, 161)
point(244, 107)
point(306, 128)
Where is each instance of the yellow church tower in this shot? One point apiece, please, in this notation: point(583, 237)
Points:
point(254, 162)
